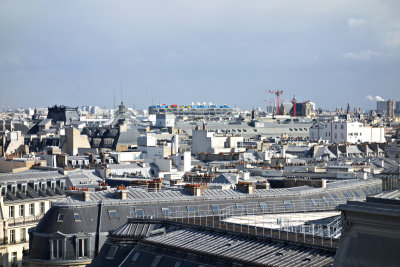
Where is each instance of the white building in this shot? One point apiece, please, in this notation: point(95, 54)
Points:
point(165, 120)
point(340, 131)
point(208, 142)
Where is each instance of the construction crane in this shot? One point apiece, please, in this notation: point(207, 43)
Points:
point(277, 93)
point(294, 105)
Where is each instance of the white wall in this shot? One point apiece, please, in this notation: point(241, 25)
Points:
point(347, 132)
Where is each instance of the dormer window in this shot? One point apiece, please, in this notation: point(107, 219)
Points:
point(23, 188)
point(13, 189)
point(77, 217)
point(36, 187)
point(60, 217)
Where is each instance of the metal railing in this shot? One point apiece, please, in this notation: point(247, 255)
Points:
point(275, 219)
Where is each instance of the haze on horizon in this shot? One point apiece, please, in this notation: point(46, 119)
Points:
point(225, 51)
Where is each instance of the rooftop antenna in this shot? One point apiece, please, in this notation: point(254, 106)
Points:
point(122, 97)
point(114, 100)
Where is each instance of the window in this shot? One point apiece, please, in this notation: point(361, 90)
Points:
point(23, 187)
point(42, 208)
point(14, 259)
point(288, 204)
point(139, 213)
point(12, 236)
point(136, 256)
point(356, 193)
point(165, 211)
point(32, 209)
point(36, 187)
point(21, 210)
point(111, 252)
point(346, 196)
point(335, 197)
point(314, 202)
point(57, 248)
point(325, 200)
point(113, 214)
point(22, 232)
point(83, 247)
point(240, 206)
point(191, 210)
point(263, 206)
point(60, 217)
point(215, 208)
point(12, 212)
point(77, 217)
point(178, 264)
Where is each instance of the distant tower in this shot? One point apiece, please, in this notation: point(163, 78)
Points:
point(348, 108)
point(389, 111)
point(253, 114)
point(294, 102)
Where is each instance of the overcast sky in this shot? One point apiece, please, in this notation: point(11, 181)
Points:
point(222, 51)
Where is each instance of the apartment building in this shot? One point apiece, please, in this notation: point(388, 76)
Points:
point(25, 198)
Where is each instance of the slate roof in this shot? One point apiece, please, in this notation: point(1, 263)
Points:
point(140, 195)
point(208, 247)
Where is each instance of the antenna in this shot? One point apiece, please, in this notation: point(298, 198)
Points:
point(122, 97)
point(134, 103)
point(114, 100)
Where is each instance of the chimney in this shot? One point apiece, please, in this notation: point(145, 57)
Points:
point(323, 183)
point(121, 193)
point(103, 158)
point(263, 185)
point(245, 187)
point(82, 194)
point(92, 159)
point(204, 126)
point(62, 160)
point(195, 189)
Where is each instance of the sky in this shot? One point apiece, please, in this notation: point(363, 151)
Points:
point(82, 52)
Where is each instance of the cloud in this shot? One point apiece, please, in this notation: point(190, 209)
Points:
point(374, 98)
point(362, 55)
point(392, 38)
point(353, 23)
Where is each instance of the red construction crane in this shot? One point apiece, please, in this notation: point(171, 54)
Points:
point(294, 105)
point(277, 93)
